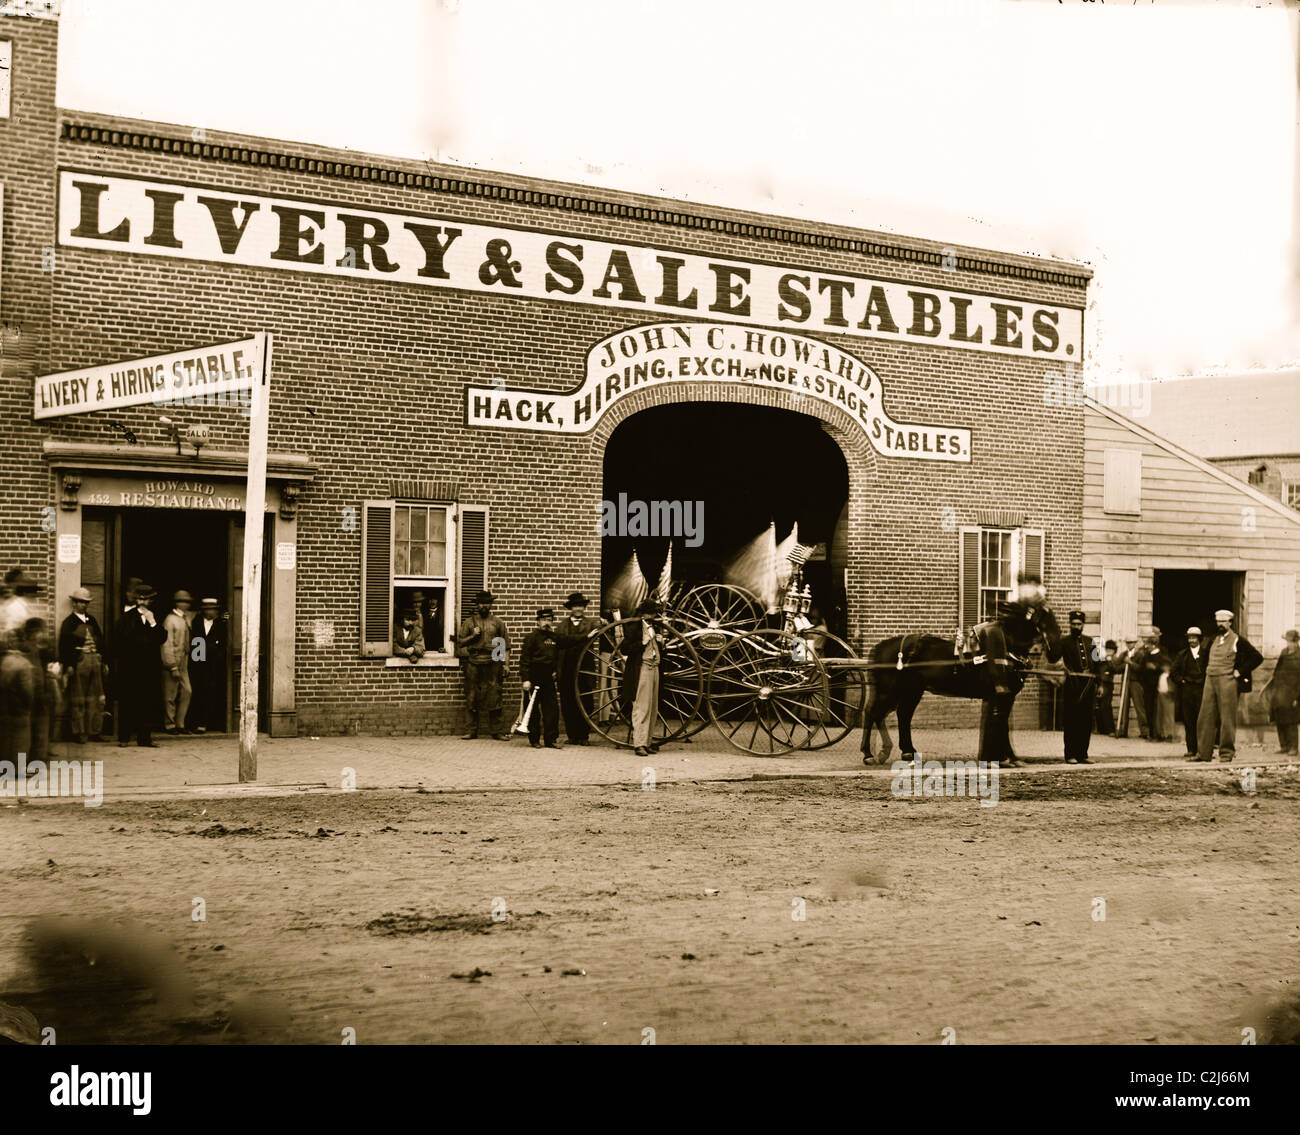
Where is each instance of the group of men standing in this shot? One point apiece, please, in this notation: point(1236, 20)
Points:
point(1207, 678)
point(548, 668)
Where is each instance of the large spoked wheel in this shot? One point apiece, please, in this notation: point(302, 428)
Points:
point(846, 694)
point(607, 704)
point(768, 693)
point(719, 606)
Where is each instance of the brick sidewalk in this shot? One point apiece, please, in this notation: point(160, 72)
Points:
point(207, 766)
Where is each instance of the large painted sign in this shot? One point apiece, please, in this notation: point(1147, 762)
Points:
point(241, 227)
point(194, 377)
point(724, 355)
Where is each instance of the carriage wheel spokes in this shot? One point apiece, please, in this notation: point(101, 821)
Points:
point(720, 606)
point(767, 693)
point(599, 676)
point(846, 694)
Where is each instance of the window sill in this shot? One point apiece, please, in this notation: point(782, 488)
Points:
point(429, 661)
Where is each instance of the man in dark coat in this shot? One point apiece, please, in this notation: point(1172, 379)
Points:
point(1283, 689)
point(538, 658)
point(572, 632)
point(208, 669)
point(1229, 663)
point(1109, 666)
point(483, 647)
point(1080, 693)
point(1188, 677)
point(137, 670)
point(1148, 661)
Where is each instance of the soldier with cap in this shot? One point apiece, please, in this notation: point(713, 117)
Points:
point(1187, 675)
point(175, 654)
point(208, 668)
point(483, 646)
point(1228, 666)
point(1082, 668)
point(137, 640)
point(572, 633)
point(538, 659)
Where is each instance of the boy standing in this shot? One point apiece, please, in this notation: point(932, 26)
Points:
point(537, 663)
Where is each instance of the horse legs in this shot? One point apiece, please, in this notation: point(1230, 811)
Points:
point(880, 704)
point(909, 697)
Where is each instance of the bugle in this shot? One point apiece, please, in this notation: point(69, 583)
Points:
point(525, 711)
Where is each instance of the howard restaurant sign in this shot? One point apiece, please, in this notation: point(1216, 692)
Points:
point(241, 227)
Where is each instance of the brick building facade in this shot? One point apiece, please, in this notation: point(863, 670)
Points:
point(396, 344)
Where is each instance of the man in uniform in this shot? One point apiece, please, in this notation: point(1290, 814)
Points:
point(137, 641)
point(1081, 670)
point(483, 646)
point(538, 658)
point(208, 668)
point(572, 633)
point(1228, 665)
point(1188, 677)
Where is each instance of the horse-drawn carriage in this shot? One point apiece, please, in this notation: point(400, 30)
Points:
point(772, 683)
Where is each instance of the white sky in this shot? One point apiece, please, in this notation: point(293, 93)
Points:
point(1154, 142)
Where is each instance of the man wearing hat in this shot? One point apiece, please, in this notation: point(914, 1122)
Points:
point(137, 640)
point(483, 646)
point(1080, 692)
point(16, 608)
point(1283, 689)
point(81, 658)
point(538, 658)
point(1228, 665)
point(1188, 678)
point(640, 693)
point(572, 633)
point(175, 653)
point(1148, 661)
point(208, 668)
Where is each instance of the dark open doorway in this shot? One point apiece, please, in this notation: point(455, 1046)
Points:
point(1180, 599)
point(750, 466)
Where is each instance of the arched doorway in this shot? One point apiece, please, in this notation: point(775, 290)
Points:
point(742, 468)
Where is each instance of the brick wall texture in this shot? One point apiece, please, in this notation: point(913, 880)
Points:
point(369, 382)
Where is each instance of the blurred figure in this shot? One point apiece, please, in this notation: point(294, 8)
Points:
point(16, 608)
point(1148, 661)
point(208, 669)
point(1283, 689)
point(46, 699)
point(137, 642)
point(175, 656)
point(1166, 715)
point(84, 675)
point(1110, 666)
point(18, 693)
point(1187, 675)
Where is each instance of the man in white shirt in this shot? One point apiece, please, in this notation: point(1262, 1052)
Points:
point(175, 653)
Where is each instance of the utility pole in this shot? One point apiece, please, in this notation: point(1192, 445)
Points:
point(254, 522)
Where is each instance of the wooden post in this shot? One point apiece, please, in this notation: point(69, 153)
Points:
point(254, 523)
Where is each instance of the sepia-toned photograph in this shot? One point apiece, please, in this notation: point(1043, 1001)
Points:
point(650, 522)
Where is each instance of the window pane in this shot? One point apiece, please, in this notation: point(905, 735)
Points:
point(438, 525)
point(400, 559)
point(419, 524)
point(403, 523)
point(437, 561)
point(417, 560)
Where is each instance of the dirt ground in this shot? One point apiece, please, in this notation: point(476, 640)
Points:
point(591, 915)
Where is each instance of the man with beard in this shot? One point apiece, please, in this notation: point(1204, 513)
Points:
point(572, 633)
point(1081, 670)
point(1227, 673)
point(483, 646)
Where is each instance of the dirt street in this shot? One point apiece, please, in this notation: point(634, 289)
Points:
point(800, 910)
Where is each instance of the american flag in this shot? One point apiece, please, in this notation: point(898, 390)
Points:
point(800, 552)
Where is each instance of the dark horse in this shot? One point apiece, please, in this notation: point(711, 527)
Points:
point(994, 675)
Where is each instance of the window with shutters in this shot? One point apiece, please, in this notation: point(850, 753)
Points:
point(1291, 493)
point(991, 560)
point(421, 556)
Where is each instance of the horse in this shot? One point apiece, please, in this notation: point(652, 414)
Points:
point(907, 666)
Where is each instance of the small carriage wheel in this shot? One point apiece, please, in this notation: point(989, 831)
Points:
point(847, 692)
point(598, 683)
point(767, 693)
point(720, 605)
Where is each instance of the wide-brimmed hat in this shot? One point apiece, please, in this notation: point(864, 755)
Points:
point(19, 580)
point(484, 597)
point(546, 612)
point(143, 591)
point(210, 602)
point(576, 599)
point(179, 595)
point(81, 595)
point(1292, 636)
